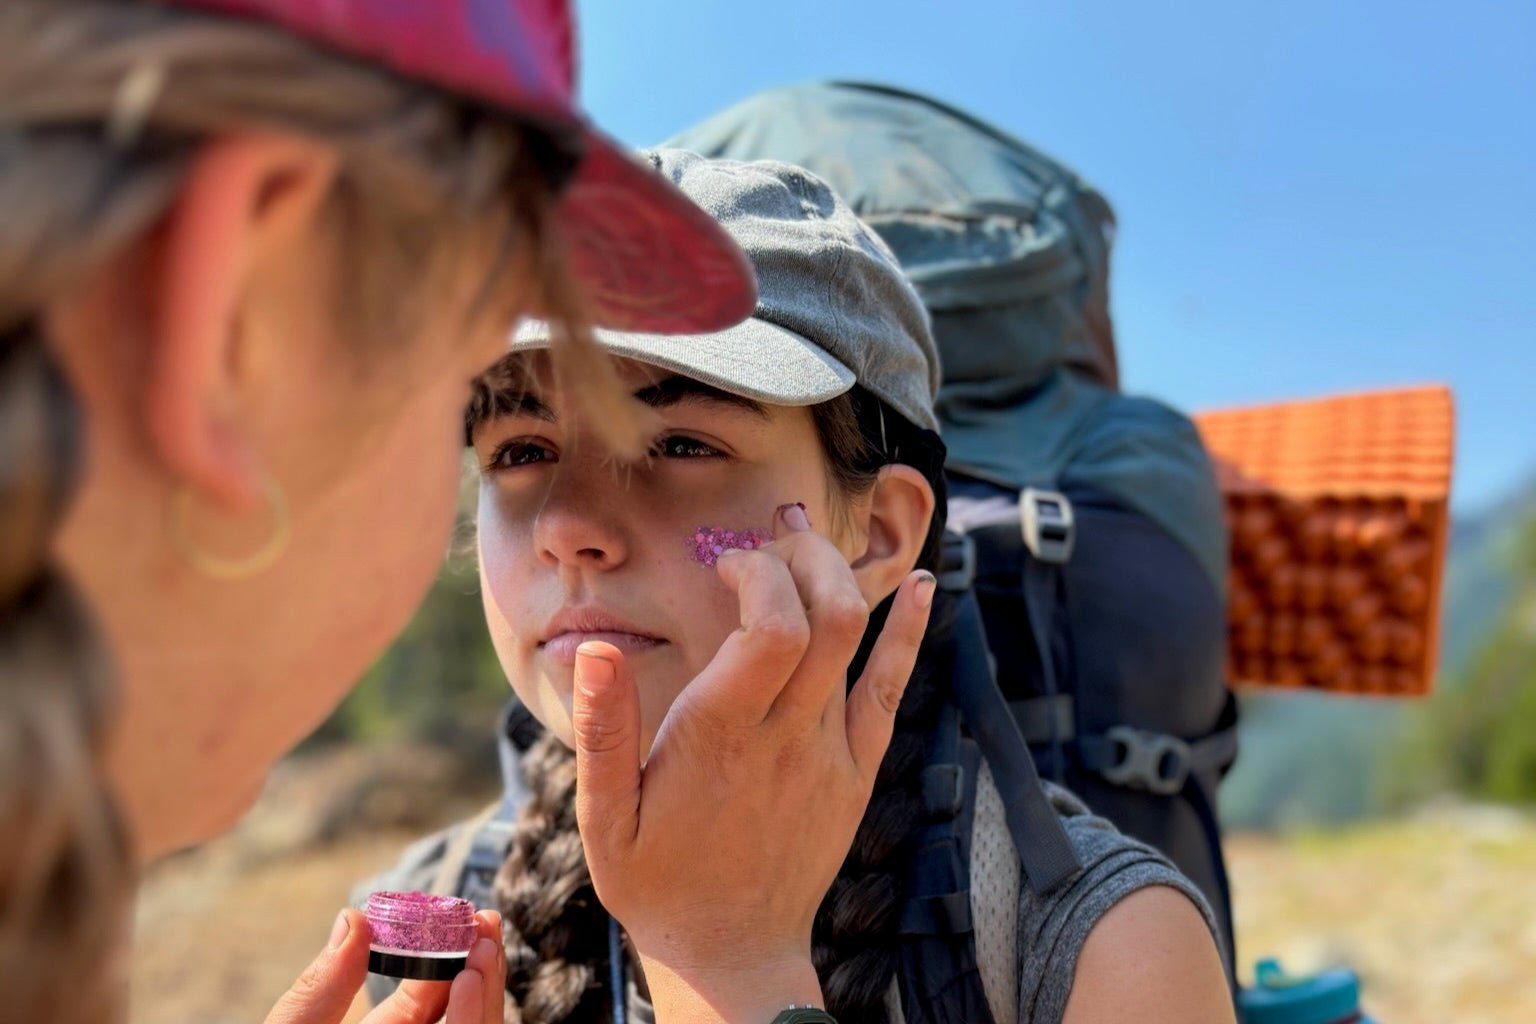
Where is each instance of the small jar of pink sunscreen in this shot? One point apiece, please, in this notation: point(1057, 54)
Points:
point(418, 935)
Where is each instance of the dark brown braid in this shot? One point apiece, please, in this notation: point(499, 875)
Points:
point(553, 926)
point(65, 870)
point(555, 929)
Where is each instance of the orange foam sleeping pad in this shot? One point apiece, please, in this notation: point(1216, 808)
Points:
point(1338, 511)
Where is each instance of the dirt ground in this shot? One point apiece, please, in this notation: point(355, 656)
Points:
point(1437, 912)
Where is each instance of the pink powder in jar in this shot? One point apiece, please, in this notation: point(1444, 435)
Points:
point(418, 935)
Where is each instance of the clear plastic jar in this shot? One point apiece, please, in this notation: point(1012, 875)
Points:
point(418, 935)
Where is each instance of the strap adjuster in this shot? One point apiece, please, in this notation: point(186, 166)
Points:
point(1154, 761)
point(943, 790)
point(1042, 718)
point(957, 562)
point(1049, 529)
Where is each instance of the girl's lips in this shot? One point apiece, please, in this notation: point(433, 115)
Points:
point(561, 648)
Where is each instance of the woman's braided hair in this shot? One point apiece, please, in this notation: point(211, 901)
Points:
point(422, 173)
point(65, 870)
point(555, 929)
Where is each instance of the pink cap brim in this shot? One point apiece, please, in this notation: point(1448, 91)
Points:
point(647, 258)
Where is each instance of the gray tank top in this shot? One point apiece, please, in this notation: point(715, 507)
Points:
point(1053, 927)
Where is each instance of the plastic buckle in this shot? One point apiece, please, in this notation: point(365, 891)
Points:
point(957, 562)
point(1153, 761)
point(1049, 529)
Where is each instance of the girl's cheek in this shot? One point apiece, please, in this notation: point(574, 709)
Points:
point(504, 554)
point(705, 544)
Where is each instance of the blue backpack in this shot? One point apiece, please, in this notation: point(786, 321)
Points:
point(1086, 523)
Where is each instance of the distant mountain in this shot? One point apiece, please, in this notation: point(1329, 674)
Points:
point(1478, 582)
point(1316, 758)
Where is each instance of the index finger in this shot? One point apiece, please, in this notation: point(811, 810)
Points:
point(838, 615)
point(749, 671)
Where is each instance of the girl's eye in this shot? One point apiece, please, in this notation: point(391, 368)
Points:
point(518, 453)
point(681, 447)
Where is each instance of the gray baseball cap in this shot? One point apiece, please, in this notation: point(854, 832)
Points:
point(833, 307)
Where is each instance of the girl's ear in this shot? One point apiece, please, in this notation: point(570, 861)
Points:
point(901, 508)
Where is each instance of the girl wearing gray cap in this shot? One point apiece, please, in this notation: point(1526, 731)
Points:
point(680, 647)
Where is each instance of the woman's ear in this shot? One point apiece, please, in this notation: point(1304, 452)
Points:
point(244, 201)
point(900, 511)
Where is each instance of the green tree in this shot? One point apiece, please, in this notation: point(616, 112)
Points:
point(440, 681)
point(1477, 736)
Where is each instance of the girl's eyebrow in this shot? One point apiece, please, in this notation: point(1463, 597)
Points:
point(678, 389)
point(524, 404)
point(494, 404)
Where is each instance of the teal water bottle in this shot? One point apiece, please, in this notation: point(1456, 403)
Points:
point(1332, 997)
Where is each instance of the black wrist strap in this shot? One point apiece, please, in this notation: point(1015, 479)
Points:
point(804, 1015)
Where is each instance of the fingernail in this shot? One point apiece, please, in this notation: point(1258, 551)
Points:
point(596, 668)
point(923, 592)
point(340, 930)
point(794, 516)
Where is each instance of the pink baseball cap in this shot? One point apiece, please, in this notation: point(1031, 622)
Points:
point(648, 258)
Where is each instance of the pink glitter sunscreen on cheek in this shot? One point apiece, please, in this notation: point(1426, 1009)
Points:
point(417, 935)
point(708, 542)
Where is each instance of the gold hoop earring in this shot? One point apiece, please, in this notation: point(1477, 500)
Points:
point(221, 567)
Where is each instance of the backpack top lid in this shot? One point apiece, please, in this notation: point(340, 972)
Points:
point(978, 219)
point(1009, 251)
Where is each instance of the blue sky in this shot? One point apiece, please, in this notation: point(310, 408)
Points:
point(1313, 197)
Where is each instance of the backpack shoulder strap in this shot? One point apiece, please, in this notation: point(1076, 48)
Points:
point(450, 870)
point(938, 980)
point(1048, 529)
point(1044, 848)
point(476, 852)
point(1050, 532)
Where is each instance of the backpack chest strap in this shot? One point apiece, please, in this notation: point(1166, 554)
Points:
point(1156, 762)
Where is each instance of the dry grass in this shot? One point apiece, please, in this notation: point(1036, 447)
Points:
point(218, 942)
point(1438, 913)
